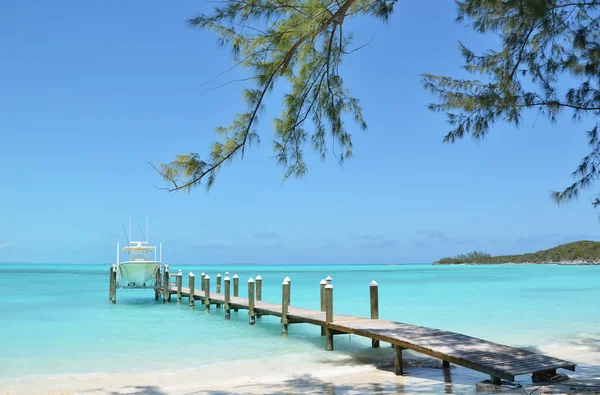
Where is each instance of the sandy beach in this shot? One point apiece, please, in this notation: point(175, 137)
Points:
point(364, 372)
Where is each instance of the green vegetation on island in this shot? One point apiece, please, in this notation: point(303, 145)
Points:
point(576, 253)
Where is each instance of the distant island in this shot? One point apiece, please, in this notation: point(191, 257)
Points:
point(577, 253)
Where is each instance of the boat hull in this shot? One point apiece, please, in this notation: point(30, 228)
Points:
point(137, 273)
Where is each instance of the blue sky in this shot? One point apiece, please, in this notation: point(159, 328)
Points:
point(91, 91)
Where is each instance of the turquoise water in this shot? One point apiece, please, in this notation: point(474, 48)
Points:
point(57, 318)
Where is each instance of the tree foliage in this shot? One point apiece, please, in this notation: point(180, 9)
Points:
point(301, 42)
point(548, 60)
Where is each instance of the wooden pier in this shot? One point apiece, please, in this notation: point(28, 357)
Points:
point(497, 360)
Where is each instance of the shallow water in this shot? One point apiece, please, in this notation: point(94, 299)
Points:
point(57, 318)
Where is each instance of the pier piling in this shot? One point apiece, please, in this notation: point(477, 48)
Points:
point(207, 294)
point(285, 305)
point(398, 360)
point(258, 288)
point(218, 289)
point(179, 279)
point(289, 280)
point(236, 288)
point(157, 285)
point(251, 300)
point(166, 293)
point(110, 284)
point(258, 296)
point(227, 297)
point(191, 292)
point(374, 291)
point(202, 275)
point(113, 284)
point(322, 289)
point(329, 316)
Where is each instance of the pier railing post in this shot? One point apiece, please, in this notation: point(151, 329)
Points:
point(227, 297)
point(191, 286)
point(285, 305)
point(113, 282)
point(289, 280)
point(251, 300)
point(157, 284)
point(110, 284)
point(166, 293)
point(322, 289)
point(207, 294)
point(202, 275)
point(329, 316)
point(258, 282)
point(179, 280)
point(374, 293)
point(218, 289)
point(236, 288)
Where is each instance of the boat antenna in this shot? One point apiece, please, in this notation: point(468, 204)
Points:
point(127, 237)
point(142, 232)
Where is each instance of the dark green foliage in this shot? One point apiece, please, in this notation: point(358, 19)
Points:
point(548, 60)
point(584, 251)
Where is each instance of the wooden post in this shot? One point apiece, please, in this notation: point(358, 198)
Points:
point(374, 291)
point(115, 284)
point(398, 360)
point(191, 286)
point(207, 294)
point(290, 283)
point(179, 281)
point(258, 281)
point(495, 380)
point(285, 305)
point(113, 275)
point(157, 284)
point(166, 293)
point(328, 279)
point(251, 300)
point(202, 275)
point(110, 284)
point(445, 364)
point(235, 288)
point(227, 297)
point(218, 289)
point(322, 285)
point(258, 287)
point(329, 316)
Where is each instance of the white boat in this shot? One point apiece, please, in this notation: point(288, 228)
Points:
point(138, 271)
